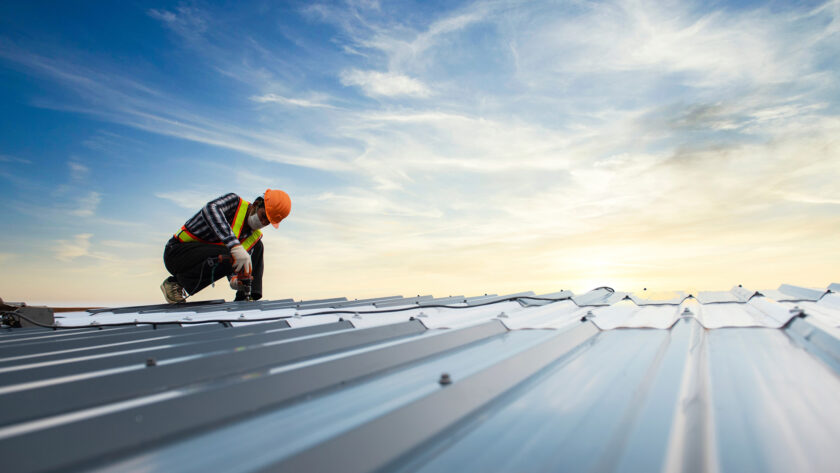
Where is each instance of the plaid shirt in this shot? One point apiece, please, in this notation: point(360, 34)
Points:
point(212, 223)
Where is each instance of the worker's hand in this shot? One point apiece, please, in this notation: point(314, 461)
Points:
point(241, 259)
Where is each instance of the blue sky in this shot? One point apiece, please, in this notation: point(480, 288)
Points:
point(429, 147)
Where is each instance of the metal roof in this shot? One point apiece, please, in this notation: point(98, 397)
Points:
point(736, 380)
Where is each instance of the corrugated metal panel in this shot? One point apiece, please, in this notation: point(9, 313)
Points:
point(605, 381)
point(647, 297)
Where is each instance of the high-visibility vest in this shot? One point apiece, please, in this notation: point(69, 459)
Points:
point(185, 236)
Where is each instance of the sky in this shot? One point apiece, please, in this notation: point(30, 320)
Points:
point(429, 147)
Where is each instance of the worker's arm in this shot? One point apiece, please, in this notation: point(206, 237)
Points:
point(214, 213)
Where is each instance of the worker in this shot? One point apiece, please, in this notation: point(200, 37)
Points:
point(227, 227)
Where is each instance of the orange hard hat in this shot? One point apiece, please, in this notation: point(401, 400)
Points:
point(277, 205)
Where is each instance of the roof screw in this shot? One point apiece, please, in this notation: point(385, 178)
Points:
point(687, 311)
point(644, 289)
point(502, 315)
point(150, 362)
point(422, 314)
point(445, 380)
point(94, 323)
point(411, 318)
point(297, 315)
point(241, 316)
point(356, 315)
point(187, 317)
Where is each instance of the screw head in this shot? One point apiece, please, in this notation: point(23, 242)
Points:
point(151, 362)
point(445, 379)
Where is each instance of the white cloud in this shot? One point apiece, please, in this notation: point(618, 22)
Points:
point(186, 21)
point(363, 201)
point(190, 200)
point(128, 245)
point(87, 204)
point(614, 128)
point(386, 84)
point(68, 250)
point(5, 158)
point(670, 41)
point(810, 199)
point(272, 98)
point(78, 171)
point(123, 100)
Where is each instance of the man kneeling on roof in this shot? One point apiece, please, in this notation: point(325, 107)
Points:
point(222, 239)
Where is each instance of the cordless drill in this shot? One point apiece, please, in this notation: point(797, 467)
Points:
point(245, 279)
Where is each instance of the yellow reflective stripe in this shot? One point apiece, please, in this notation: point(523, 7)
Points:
point(239, 217)
point(252, 240)
point(185, 236)
point(238, 222)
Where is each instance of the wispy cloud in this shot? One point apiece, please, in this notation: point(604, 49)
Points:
point(87, 204)
point(810, 199)
point(185, 20)
point(68, 250)
point(191, 200)
point(78, 171)
point(367, 203)
point(126, 101)
point(386, 84)
point(272, 98)
point(617, 130)
point(5, 158)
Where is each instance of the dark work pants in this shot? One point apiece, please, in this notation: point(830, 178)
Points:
point(187, 262)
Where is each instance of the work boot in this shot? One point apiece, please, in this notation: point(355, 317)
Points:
point(172, 291)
